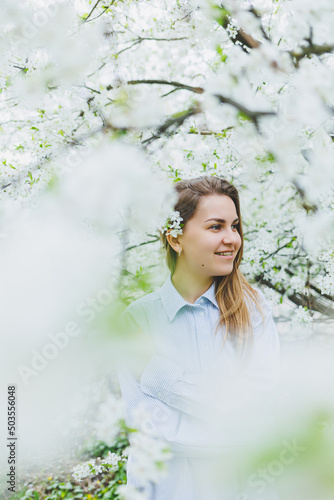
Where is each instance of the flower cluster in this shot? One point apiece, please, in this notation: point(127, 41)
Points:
point(173, 224)
point(96, 466)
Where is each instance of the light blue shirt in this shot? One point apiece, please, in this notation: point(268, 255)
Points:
point(179, 382)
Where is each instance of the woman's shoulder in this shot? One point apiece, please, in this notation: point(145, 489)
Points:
point(144, 302)
point(139, 310)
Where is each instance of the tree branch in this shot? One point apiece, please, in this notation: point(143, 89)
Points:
point(253, 115)
point(209, 132)
point(142, 39)
point(278, 249)
point(311, 49)
point(144, 243)
point(309, 207)
point(196, 90)
point(91, 12)
point(246, 40)
point(101, 13)
point(175, 122)
point(299, 299)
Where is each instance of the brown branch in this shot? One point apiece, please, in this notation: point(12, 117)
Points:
point(101, 13)
point(196, 90)
point(208, 132)
point(317, 50)
point(128, 48)
point(298, 298)
point(309, 207)
point(253, 115)
point(325, 295)
point(141, 244)
point(170, 92)
point(258, 16)
point(242, 37)
point(89, 88)
point(247, 39)
point(278, 249)
point(163, 39)
point(24, 68)
point(91, 12)
point(142, 39)
point(175, 122)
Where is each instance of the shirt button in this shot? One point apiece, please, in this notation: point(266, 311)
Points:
point(201, 314)
point(202, 301)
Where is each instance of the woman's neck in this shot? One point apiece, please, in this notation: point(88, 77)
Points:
point(190, 287)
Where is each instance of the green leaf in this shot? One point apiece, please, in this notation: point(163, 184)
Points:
point(223, 57)
point(243, 116)
point(221, 15)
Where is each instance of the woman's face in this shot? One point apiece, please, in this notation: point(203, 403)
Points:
point(213, 229)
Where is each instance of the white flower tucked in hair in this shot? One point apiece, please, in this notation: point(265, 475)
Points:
point(173, 224)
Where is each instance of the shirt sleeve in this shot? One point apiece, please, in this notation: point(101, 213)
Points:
point(186, 435)
point(200, 395)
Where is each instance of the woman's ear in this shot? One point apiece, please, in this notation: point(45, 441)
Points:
point(174, 242)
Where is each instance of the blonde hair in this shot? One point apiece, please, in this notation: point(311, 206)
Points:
point(230, 290)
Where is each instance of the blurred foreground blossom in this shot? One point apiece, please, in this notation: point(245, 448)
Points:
point(64, 277)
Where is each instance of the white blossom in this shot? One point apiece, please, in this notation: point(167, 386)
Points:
point(300, 317)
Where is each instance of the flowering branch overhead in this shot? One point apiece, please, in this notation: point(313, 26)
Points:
point(257, 108)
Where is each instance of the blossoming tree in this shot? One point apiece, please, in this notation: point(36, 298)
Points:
point(233, 88)
point(105, 104)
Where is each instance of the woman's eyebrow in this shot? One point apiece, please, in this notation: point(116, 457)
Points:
point(222, 220)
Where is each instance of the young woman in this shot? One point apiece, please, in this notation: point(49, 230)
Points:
point(216, 345)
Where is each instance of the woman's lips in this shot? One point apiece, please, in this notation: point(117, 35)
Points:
point(225, 256)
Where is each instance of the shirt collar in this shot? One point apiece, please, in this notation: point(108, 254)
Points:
point(172, 301)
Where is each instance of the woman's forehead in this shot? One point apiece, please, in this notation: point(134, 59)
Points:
point(215, 206)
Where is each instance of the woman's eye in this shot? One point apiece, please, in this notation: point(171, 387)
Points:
point(235, 226)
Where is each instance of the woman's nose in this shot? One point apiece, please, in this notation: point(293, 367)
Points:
point(230, 236)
